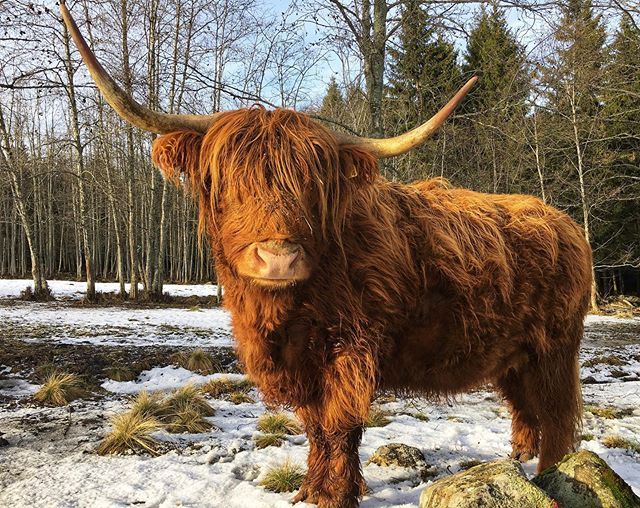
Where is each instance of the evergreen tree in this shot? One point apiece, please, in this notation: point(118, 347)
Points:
point(333, 104)
point(621, 112)
point(497, 103)
point(423, 74)
point(423, 69)
point(496, 57)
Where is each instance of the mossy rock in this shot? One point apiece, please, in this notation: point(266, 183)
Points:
point(498, 484)
point(584, 480)
point(410, 458)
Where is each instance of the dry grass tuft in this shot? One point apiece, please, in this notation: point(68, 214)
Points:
point(130, 431)
point(198, 361)
point(278, 423)
point(188, 396)
point(148, 404)
point(377, 418)
point(603, 360)
point(59, 389)
point(284, 478)
point(621, 442)
point(121, 374)
point(187, 419)
point(184, 411)
point(265, 440)
point(223, 387)
point(240, 398)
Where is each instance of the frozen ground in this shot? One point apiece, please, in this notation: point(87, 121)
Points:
point(49, 461)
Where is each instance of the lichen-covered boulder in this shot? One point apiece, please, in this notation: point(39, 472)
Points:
point(409, 458)
point(584, 480)
point(498, 484)
point(398, 454)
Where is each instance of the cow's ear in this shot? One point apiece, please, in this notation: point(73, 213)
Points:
point(177, 155)
point(358, 165)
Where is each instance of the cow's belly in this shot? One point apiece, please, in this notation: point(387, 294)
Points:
point(438, 359)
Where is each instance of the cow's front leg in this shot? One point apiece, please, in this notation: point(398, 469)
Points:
point(317, 461)
point(344, 484)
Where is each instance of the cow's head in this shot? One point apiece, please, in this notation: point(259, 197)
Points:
point(273, 187)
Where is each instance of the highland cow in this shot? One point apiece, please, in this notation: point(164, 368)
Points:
point(341, 283)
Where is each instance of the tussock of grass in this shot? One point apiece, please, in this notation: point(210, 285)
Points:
point(198, 361)
point(130, 431)
point(59, 389)
point(609, 413)
point(121, 374)
point(44, 370)
point(265, 440)
point(187, 419)
point(284, 478)
point(278, 423)
point(588, 437)
point(148, 404)
point(606, 360)
point(184, 411)
point(377, 418)
point(223, 387)
point(188, 397)
point(621, 442)
point(240, 398)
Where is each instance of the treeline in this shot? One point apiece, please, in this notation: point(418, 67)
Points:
point(556, 114)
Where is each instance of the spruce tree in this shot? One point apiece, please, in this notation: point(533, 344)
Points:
point(497, 103)
point(423, 74)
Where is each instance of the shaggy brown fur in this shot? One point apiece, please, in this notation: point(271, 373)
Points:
point(420, 287)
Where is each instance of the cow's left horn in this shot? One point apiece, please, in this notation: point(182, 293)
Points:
point(390, 147)
point(126, 106)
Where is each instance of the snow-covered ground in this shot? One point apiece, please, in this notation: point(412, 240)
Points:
point(49, 461)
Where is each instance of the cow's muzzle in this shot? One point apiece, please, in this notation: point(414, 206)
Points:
point(274, 263)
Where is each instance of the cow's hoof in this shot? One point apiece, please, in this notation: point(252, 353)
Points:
point(306, 495)
point(522, 455)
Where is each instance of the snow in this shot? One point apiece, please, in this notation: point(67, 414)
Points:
point(11, 288)
point(50, 460)
point(163, 378)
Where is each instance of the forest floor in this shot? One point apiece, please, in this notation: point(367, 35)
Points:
point(48, 457)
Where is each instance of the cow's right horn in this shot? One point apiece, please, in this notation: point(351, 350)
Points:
point(122, 103)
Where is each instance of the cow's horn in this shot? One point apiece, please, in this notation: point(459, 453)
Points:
point(389, 147)
point(126, 106)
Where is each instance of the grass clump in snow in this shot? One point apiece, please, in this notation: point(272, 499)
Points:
point(240, 398)
point(148, 404)
point(130, 432)
point(610, 413)
point(118, 373)
point(278, 423)
point(189, 396)
point(184, 411)
point(603, 360)
point(377, 418)
point(198, 361)
point(621, 442)
point(224, 387)
point(187, 419)
point(286, 477)
point(60, 388)
point(265, 440)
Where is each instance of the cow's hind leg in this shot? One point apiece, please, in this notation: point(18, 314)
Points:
point(525, 427)
point(559, 400)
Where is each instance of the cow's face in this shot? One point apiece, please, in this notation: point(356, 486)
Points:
point(274, 190)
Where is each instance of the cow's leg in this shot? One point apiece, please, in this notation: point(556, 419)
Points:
point(344, 484)
point(525, 427)
point(559, 401)
point(318, 459)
